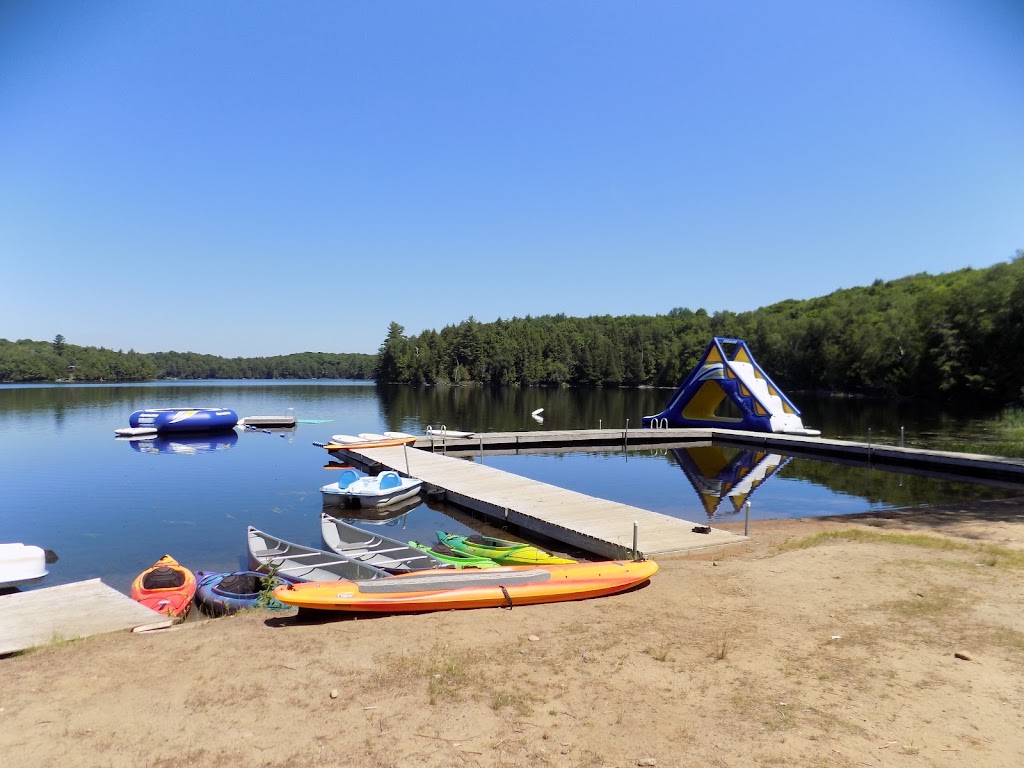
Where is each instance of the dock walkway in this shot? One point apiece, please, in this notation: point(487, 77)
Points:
point(594, 525)
point(69, 612)
point(936, 463)
point(605, 527)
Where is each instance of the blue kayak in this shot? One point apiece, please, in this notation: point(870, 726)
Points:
point(220, 594)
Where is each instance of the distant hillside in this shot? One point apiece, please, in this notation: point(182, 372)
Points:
point(28, 361)
point(950, 335)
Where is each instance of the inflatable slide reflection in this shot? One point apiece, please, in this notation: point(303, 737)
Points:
point(717, 478)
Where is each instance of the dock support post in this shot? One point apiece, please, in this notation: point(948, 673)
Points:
point(746, 521)
point(625, 437)
point(481, 449)
point(405, 450)
point(636, 532)
point(901, 437)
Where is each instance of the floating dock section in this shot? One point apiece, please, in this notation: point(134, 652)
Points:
point(604, 528)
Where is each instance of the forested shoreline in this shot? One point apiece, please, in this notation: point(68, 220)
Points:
point(36, 361)
point(930, 336)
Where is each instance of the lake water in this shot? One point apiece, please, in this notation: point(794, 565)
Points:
point(109, 508)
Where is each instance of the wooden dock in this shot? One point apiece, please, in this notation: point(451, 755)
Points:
point(605, 527)
point(602, 527)
point(937, 463)
point(69, 612)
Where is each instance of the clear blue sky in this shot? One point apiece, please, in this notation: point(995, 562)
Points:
point(258, 178)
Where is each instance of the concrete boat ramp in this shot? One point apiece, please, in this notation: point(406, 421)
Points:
point(604, 528)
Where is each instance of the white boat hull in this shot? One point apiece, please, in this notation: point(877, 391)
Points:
point(335, 497)
point(385, 489)
point(21, 564)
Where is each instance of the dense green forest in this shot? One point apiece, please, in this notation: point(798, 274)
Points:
point(954, 334)
point(26, 360)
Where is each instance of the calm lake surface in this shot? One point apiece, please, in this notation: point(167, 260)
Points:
point(109, 507)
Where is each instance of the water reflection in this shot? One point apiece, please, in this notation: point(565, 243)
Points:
point(197, 510)
point(182, 443)
point(394, 515)
point(717, 478)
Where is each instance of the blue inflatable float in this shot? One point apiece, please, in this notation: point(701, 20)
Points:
point(184, 419)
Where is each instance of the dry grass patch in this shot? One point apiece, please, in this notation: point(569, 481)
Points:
point(448, 674)
point(938, 604)
point(988, 554)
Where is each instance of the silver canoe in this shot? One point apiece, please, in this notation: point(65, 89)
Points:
point(295, 562)
point(380, 551)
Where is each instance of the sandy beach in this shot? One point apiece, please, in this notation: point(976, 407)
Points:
point(881, 640)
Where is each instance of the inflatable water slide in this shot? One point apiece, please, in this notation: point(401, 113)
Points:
point(728, 389)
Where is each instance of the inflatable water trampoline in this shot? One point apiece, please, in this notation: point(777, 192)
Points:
point(184, 419)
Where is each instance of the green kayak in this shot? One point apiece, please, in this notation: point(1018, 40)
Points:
point(500, 551)
point(449, 555)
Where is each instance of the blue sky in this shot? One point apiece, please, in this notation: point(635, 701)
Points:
point(257, 178)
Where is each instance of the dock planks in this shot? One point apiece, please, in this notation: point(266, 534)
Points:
point(68, 612)
point(599, 526)
point(605, 527)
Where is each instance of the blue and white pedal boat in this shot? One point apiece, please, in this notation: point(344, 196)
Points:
point(355, 490)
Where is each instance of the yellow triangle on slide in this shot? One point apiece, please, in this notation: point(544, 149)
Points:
point(741, 355)
point(713, 356)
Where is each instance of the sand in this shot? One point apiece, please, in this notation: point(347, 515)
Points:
point(820, 642)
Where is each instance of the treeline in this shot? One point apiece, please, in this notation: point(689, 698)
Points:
point(33, 361)
point(948, 335)
point(958, 334)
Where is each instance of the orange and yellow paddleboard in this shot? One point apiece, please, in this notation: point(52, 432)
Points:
point(444, 589)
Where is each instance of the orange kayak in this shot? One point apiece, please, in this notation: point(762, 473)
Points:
point(444, 589)
point(166, 586)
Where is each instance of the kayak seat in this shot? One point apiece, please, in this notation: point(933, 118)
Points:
point(163, 577)
point(389, 480)
point(241, 584)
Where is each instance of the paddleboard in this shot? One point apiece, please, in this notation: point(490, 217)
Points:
point(442, 590)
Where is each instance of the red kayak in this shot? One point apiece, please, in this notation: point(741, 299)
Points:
point(166, 586)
